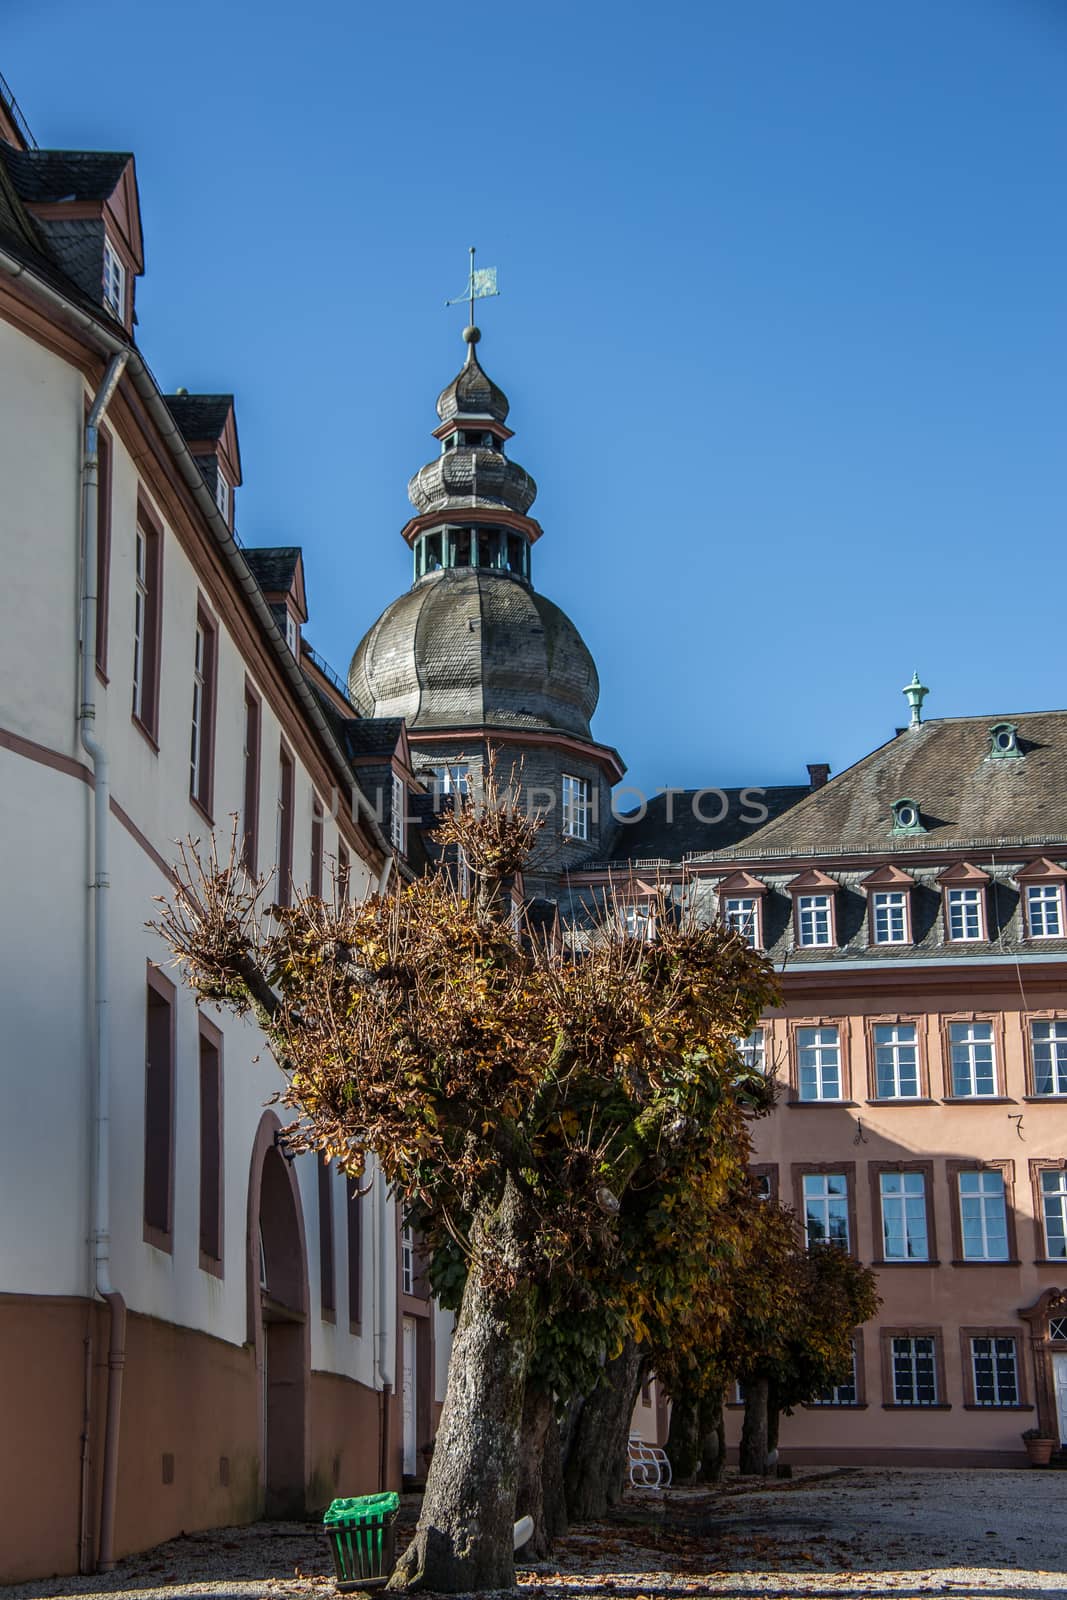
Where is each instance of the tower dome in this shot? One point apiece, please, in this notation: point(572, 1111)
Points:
point(472, 644)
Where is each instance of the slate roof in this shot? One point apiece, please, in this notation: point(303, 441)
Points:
point(272, 566)
point(49, 175)
point(671, 829)
point(373, 736)
point(472, 393)
point(943, 765)
point(200, 416)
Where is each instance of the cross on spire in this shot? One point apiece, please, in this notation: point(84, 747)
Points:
point(481, 284)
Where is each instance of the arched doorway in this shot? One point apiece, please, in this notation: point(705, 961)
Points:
point(1048, 1341)
point(278, 1325)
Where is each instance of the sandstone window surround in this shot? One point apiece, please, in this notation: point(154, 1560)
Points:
point(248, 820)
point(913, 1369)
point(1046, 1037)
point(829, 1187)
point(814, 895)
point(753, 1050)
point(212, 1186)
point(741, 906)
point(202, 722)
point(897, 1068)
point(147, 623)
point(902, 1208)
point(1043, 893)
point(1048, 1179)
point(819, 1070)
point(982, 1213)
point(764, 1175)
point(972, 1047)
point(850, 1395)
point(159, 1112)
point(889, 914)
point(994, 1375)
point(964, 903)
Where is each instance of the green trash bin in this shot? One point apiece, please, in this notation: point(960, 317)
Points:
point(363, 1539)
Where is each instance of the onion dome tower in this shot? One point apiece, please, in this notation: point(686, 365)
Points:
point(472, 655)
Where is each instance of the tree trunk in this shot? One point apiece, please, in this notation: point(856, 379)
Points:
point(537, 1420)
point(773, 1414)
point(596, 1463)
point(712, 1439)
point(464, 1538)
point(552, 1483)
point(753, 1455)
point(683, 1438)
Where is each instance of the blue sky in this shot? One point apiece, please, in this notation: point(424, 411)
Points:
point(783, 322)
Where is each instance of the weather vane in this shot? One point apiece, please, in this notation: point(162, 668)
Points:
point(480, 286)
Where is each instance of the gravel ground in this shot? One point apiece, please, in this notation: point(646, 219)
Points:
point(858, 1532)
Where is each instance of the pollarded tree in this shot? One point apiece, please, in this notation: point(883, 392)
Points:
point(509, 1087)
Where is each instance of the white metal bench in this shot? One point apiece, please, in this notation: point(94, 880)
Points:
point(649, 1467)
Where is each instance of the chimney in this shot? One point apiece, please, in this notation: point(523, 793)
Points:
point(818, 773)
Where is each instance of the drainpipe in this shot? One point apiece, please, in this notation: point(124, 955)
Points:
point(385, 1333)
point(100, 883)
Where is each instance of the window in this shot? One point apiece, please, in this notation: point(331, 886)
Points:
point(813, 919)
point(994, 1371)
point(327, 1289)
point(983, 1216)
point(741, 913)
point(159, 1111)
point(146, 617)
point(845, 1393)
point(248, 822)
point(914, 1371)
point(1054, 1212)
point(292, 633)
point(889, 911)
point(639, 922)
point(284, 839)
point(818, 1064)
point(973, 1063)
point(1057, 1329)
point(344, 874)
point(575, 807)
point(753, 1051)
point(1044, 917)
point(354, 1217)
point(407, 1260)
point(907, 817)
point(114, 282)
point(222, 493)
point(763, 1184)
point(903, 1203)
point(317, 825)
point(103, 545)
point(210, 1147)
point(454, 780)
point(202, 731)
point(826, 1208)
point(964, 913)
point(896, 1061)
point(1048, 1041)
point(397, 816)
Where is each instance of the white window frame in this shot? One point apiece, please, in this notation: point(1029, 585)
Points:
point(819, 1054)
point(114, 281)
point(965, 1041)
point(407, 1260)
point(222, 492)
point(292, 633)
point(140, 617)
point(907, 1352)
point(741, 912)
point(1054, 1045)
point(815, 919)
point(902, 1197)
point(891, 1047)
point(980, 1193)
point(575, 792)
point(753, 1050)
point(397, 814)
point(1041, 900)
point(453, 779)
point(889, 916)
point(639, 921)
point(998, 1348)
point(965, 913)
point(196, 746)
point(850, 1390)
point(1054, 1205)
point(829, 1205)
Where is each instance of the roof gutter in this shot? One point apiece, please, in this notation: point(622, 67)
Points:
point(110, 344)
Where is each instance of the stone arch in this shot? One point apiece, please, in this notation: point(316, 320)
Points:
point(277, 1307)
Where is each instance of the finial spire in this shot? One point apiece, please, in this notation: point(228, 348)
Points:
point(915, 693)
point(481, 284)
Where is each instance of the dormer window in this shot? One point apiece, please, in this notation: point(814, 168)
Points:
point(814, 909)
point(1004, 742)
point(907, 817)
point(889, 893)
point(963, 888)
point(1042, 889)
point(292, 633)
point(114, 282)
point(222, 494)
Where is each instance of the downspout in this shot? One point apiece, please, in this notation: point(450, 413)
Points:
point(100, 883)
point(385, 1333)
